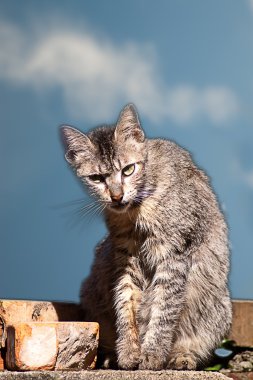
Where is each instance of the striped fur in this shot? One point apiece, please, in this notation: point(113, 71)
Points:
point(158, 284)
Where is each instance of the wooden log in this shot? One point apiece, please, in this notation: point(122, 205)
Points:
point(13, 311)
point(52, 345)
point(1, 361)
point(1, 350)
point(242, 325)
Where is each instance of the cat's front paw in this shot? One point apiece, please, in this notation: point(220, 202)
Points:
point(151, 362)
point(108, 363)
point(183, 362)
point(129, 358)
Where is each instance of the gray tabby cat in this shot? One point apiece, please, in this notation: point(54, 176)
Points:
point(158, 285)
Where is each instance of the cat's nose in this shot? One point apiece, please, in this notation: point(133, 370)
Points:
point(117, 197)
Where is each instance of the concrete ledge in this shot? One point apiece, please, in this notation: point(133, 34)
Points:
point(112, 375)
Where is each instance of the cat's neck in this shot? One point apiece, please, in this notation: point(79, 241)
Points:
point(138, 219)
point(121, 221)
point(125, 230)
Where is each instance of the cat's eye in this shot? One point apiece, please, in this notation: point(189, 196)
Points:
point(97, 178)
point(128, 170)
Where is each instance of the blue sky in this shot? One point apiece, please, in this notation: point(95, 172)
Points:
point(187, 65)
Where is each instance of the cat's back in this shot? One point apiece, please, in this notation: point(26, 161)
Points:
point(165, 149)
point(174, 164)
point(182, 191)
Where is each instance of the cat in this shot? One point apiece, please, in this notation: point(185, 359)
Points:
point(158, 284)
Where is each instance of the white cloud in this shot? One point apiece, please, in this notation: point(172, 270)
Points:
point(251, 4)
point(97, 77)
point(246, 176)
point(249, 178)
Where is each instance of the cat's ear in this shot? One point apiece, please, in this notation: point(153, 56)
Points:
point(77, 145)
point(128, 125)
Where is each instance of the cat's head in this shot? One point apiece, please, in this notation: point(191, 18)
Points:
point(110, 160)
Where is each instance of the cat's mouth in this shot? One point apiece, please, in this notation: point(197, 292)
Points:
point(119, 206)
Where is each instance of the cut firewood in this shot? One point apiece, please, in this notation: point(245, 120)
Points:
point(52, 345)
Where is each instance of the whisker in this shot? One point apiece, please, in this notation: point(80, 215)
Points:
point(81, 210)
point(95, 211)
point(88, 206)
point(70, 203)
point(88, 210)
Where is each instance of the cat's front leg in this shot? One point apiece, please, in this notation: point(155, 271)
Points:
point(127, 344)
point(166, 294)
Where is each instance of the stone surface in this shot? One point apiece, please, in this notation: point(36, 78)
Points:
point(113, 375)
point(52, 345)
point(241, 376)
point(241, 362)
